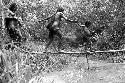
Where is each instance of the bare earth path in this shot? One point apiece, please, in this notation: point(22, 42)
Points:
point(76, 72)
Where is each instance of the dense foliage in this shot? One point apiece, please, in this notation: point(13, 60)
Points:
point(108, 13)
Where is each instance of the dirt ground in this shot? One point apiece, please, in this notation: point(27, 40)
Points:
point(99, 72)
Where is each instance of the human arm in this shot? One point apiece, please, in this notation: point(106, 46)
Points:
point(46, 18)
point(68, 20)
point(72, 21)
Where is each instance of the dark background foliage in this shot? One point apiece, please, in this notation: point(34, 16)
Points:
point(108, 13)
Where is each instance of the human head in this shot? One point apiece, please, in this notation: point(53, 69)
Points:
point(13, 7)
point(87, 23)
point(60, 9)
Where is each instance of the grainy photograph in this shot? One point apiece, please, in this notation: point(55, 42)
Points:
point(62, 41)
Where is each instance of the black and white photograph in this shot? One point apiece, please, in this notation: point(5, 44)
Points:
point(62, 41)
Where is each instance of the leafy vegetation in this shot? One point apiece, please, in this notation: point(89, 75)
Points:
point(16, 64)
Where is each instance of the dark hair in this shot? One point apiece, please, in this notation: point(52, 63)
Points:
point(60, 9)
point(13, 7)
point(87, 23)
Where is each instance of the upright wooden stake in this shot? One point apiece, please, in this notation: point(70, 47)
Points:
point(87, 60)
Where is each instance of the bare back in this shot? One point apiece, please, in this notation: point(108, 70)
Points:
point(57, 18)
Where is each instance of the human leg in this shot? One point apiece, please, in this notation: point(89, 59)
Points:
point(60, 39)
point(51, 36)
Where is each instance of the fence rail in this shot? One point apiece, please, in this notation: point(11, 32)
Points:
point(86, 52)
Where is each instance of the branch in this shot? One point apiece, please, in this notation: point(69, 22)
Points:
point(87, 52)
